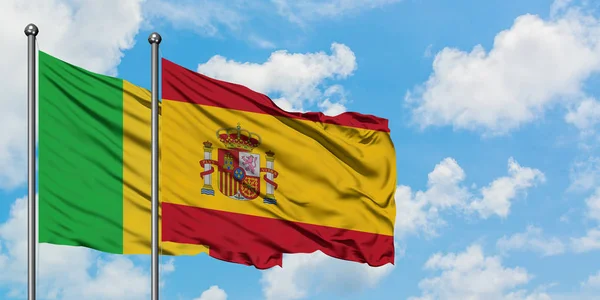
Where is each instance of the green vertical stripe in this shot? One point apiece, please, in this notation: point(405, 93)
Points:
point(80, 157)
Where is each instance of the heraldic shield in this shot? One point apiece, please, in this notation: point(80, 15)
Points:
point(239, 174)
point(238, 168)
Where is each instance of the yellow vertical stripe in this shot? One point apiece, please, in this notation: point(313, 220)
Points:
point(136, 177)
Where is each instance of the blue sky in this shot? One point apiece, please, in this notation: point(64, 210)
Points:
point(493, 110)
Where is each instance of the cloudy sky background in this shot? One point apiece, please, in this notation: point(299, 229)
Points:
point(492, 105)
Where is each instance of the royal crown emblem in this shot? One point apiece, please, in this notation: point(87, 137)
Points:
point(238, 138)
point(239, 169)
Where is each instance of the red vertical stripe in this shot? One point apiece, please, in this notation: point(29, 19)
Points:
point(220, 181)
point(236, 186)
point(229, 184)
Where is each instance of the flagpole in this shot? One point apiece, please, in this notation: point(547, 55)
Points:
point(31, 31)
point(154, 39)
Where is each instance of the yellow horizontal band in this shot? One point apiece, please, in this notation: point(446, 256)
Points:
point(328, 175)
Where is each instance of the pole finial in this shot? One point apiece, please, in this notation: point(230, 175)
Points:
point(31, 29)
point(154, 38)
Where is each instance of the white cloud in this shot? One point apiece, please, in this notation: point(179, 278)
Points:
point(261, 42)
point(428, 51)
point(589, 242)
point(286, 105)
point(213, 293)
point(588, 291)
point(68, 272)
point(532, 66)
point(316, 272)
point(586, 116)
point(201, 16)
point(333, 104)
point(420, 211)
point(293, 79)
point(524, 295)
point(207, 17)
point(533, 240)
point(498, 195)
point(117, 278)
point(301, 11)
point(559, 6)
point(168, 266)
point(331, 109)
point(91, 34)
point(593, 206)
point(472, 275)
point(214, 18)
point(585, 175)
point(593, 282)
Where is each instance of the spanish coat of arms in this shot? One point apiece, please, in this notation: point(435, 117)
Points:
point(239, 169)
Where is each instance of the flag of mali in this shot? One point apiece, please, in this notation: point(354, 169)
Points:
point(94, 162)
point(252, 181)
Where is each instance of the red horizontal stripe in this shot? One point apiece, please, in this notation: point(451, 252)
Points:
point(184, 85)
point(261, 242)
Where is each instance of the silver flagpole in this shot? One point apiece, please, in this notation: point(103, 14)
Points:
point(154, 41)
point(31, 32)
